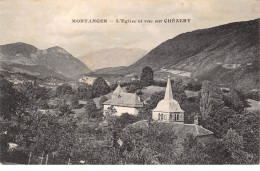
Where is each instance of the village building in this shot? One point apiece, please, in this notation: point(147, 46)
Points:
point(169, 112)
point(122, 102)
point(168, 109)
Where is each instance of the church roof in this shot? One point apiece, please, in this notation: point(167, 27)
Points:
point(168, 104)
point(180, 129)
point(120, 98)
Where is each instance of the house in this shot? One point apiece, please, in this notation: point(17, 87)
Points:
point(122, 102)
point(168, 109)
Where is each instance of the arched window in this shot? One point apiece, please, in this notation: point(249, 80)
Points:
point(170, 117)
point(162, 117)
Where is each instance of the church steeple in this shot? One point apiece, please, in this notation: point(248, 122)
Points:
point(168, 92)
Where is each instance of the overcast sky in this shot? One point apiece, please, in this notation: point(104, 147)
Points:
point(47, 23)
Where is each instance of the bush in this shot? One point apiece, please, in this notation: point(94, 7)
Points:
point(102, 100)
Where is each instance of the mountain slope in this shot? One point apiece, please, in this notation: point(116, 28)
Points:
point(230, 48)
point(55, 61)
point(112, 57)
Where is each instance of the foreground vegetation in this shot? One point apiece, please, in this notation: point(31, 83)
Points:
point(62, 137)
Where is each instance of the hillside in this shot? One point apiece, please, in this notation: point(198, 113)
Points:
point(109, 70)
point(227, 53)
point(113, 57)
point(25, 58)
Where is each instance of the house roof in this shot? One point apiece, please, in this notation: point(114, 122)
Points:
point(120, 98)
point(118, 90)
point(181, 130)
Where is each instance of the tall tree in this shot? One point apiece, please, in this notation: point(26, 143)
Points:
point(85, 91)
point(100, 87)
point(147, 76)
point(178, 91)
point(211, 99)
point(91, 108)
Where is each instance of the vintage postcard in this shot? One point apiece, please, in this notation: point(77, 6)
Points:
point(129, 82)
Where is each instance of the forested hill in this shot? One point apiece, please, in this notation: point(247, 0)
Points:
point(227, 53)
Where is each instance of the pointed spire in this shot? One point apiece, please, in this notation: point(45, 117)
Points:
point(168, 92)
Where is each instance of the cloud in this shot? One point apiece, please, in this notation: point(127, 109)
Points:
point(48, 23)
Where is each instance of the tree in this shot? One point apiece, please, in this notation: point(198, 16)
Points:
point(91, 108)
point(110, 111)
point(233, 101)
point(213, 114)
point(64, 109)
point(13, 103)
point(85, 91)
point(178, 91)
point(151, 103)
point(246, 124)
point(155, 144)
point(102, 100)
point(63, 90)
point(134, 86)
point(211, 99)
point(193, 152)
point(154, 99)
point(147, 76)
point(100, 87)
point(191, 110)
point(74, 101)
point(8, 100)
point(235, 154)
point(193, 85)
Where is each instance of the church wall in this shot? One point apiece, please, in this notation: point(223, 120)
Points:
point(166, 116)
point(155, 116)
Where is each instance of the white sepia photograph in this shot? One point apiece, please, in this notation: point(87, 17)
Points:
point(129, 82)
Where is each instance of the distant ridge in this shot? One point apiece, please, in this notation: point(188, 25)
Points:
point(55, 61)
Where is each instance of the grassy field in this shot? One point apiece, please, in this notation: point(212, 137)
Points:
point(191, 93)
point(148, 91)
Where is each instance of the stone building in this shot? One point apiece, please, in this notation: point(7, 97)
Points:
point(122, 102)
point(168, 113)
point(168, 109)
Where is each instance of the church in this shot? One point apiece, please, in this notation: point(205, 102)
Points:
point(168, 109)
point(122, 102)
point(169, 112)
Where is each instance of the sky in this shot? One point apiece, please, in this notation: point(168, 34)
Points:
point(48, 23)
